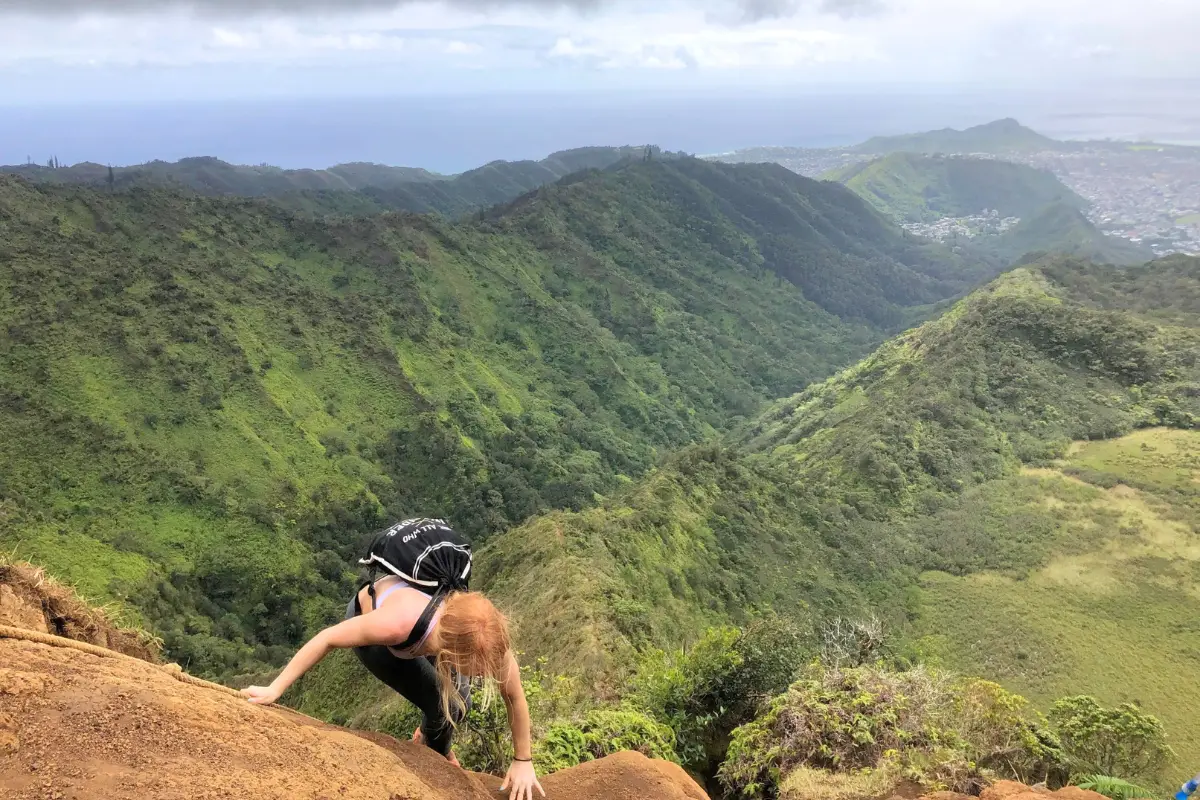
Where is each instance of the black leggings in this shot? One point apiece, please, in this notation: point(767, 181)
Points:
point(416, 681)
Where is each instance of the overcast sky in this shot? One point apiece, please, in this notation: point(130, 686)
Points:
point(69, 49)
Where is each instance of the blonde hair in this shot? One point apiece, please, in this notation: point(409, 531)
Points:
point(472, 639)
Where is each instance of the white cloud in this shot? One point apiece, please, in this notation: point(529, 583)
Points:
point(776, 40)
point(460, 48)
point(713, 48)
point(223, 37)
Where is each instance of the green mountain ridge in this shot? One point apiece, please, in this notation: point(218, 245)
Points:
point(919, 188)
point(355, 188)
point(206, 401)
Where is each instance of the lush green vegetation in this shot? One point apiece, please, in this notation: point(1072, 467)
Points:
point(1110, 741)
point(207, 401)
point(919, 188)
point(941, 732)
point(808, 509)
point(1115, 560)
point(815, 235)
point(836, 501)
point(1115, 788)
point(993, 137)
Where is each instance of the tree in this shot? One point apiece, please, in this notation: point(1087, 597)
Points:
point(706, 692)
point(1123, 741)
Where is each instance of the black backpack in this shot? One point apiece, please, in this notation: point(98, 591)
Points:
point(427, 554)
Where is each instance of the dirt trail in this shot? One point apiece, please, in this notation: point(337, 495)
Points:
point(85, 726)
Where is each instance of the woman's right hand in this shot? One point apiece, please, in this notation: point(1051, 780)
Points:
point(262, 695)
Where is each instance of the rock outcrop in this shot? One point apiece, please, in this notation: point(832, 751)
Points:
point(92, 724)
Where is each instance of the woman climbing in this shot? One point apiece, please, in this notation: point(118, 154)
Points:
point(422, 633)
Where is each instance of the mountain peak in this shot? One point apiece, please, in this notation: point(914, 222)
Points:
point(997, 136)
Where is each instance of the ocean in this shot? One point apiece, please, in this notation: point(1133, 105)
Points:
point(451, 134)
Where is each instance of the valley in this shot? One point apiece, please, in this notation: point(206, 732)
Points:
point(208, 402)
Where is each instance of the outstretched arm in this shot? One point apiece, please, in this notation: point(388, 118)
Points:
point(363, 630)
point(521, 774)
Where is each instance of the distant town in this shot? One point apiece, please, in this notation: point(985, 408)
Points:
point(947, 229)
point(1146, 193)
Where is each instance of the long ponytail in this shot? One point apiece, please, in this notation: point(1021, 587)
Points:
point(472, 639)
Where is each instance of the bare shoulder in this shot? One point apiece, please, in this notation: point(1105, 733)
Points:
point(403, 608)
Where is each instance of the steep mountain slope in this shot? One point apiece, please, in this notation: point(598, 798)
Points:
point(346, 188)
point(1061, 228)
point(816, 235)
point(207, 401)
point(836, 500)
point(999, 136)
point(918, 188)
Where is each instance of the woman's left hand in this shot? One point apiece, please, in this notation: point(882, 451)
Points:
point(522, 777)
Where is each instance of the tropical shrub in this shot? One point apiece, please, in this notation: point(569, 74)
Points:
point(1000, 733)
point(839, 720)
point(602, 733)
point(1110, 741)
point(1115, 788)
point(720, 683)
point(942, 732)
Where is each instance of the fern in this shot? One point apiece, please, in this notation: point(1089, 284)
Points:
point(1115, 788)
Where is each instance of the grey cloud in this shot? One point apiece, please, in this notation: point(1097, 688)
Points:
point(757, 10)
point(685, 55)
point(853, 8)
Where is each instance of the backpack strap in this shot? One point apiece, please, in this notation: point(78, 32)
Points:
point(421, 628)
point(371, 583)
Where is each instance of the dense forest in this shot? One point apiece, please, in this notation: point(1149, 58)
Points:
point(800, 510)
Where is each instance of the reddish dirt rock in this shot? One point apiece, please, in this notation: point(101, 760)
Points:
point(78, 726)
point(1011, 790)
point(90, 726)
point(31, 600)
point(1002, 790)
point(624, 776)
